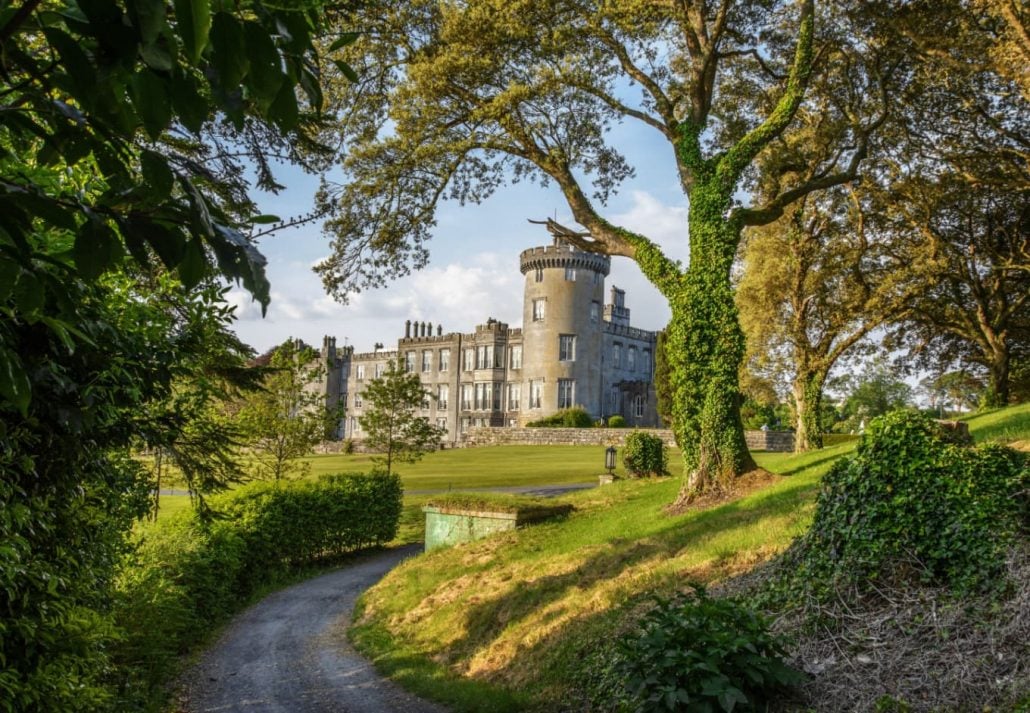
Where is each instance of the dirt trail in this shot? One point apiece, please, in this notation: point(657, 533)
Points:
point(289, 653)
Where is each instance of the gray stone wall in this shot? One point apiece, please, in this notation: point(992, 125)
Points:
point(779, 441)
point(756, 440)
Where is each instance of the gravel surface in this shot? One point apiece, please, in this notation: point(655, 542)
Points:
point(289, 652)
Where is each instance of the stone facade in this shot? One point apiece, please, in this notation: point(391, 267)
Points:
point(780, 441)
point(572, 350)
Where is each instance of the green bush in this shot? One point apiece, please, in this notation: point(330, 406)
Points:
point(187, 575)
point(575, 417)
point(908, 502)
point(644, 454)
point(702, 654)
point(616, 421)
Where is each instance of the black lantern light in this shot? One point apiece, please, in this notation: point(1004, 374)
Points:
point(609, 459)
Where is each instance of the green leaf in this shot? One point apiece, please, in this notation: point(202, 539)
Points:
point(150, 97)
point(29, 295)
point(148, 17)
point(14, 382)
point(191, 108)
point(194, 264)
point(265, 76)
point(75, 62)
point(347, 38)
point(193, 18)
point(229, 56)
point(157, 176)
point(283, 111)
point(346, 70)
point(96, 248)
point(156, 56)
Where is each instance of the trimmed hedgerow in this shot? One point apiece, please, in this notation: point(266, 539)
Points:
point(644, 454)
point(910, 503)
point(575, 417)
point(188, 575)
point(616, 421)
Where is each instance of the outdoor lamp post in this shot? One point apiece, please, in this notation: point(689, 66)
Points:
point(609, 459)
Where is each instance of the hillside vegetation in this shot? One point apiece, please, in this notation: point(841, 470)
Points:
point(516, 621)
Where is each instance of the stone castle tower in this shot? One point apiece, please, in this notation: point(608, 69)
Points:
point(572, 350)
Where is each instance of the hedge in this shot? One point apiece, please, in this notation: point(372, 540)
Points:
point(187, 576)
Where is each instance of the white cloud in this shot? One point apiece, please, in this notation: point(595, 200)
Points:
point(665, 224)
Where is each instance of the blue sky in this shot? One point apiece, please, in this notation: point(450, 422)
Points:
point(473, 272)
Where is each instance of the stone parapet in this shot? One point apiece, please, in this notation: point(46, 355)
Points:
point(779, 441)
point(494, 436)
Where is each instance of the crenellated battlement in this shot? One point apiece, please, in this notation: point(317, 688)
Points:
point(563, 255)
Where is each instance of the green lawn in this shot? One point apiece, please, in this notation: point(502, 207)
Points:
point(1003, 425)
point(510, 622)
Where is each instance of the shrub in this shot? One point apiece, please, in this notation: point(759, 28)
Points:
point(698, 653)
point(616, 421)
point(575, 417)
point(644, 454)
point(910, 502)
point(187, 575)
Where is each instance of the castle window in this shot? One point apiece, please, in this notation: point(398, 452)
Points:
point(515, 361)
point(485, 397)
point(409, 361)
point(514, 396)
point(466, 397)
point(631, 358)
point(427, 360)
point(380, 369)
point(470, 359)
point(357, 399)
point(566, 393)
point(570, 274)
point(645, 362)
point(638, 406)
point(567, 347)
point(445, 359)
point(617, 355)
point(465, 423)
point(359, 372)
point(485, 356)
point(536, 389)
point(613, 400)
point(441, 422)
point(442, 392)
point(540, 274)
point(538, 310)
point(595, 311)
point(425, 399)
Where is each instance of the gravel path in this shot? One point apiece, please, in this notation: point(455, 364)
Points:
point(289, 653)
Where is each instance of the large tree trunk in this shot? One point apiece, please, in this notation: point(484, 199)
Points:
point(808, 395)
point(998, 388)
point(705, 349)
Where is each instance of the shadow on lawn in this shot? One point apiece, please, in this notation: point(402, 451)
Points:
point(486, 620)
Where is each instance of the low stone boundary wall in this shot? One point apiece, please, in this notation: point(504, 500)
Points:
point(502, 436)
point(780, 441)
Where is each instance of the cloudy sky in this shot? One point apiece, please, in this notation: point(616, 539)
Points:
point(473, 272)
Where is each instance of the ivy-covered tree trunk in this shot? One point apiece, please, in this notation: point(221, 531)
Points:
point(808, 396)
point(998, 389)
point(705, 349)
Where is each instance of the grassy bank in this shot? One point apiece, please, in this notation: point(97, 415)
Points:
point(510, 622)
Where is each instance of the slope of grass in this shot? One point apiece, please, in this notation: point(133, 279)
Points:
point(1003, 425)
point(510, 622)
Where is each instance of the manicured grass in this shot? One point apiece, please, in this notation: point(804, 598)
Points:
point(1002, 425)
point(524, 611)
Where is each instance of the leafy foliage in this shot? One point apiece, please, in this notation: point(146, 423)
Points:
point(645, 454)
point(287, 417)
point(910, 503)
point(389, 421)
point(575, 417)
point(189, 574)
point(616, 421)
point(697, 653)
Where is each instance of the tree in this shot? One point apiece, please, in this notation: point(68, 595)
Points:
point(814, 285)
point(487, 91)
point(874, 392)
point(958, 388)
point(288, 417)
point(389, 421)
point(95, 199)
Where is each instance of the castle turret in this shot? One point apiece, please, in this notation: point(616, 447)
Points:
point(562, 308)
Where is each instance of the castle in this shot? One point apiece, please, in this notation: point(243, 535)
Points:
point(570, 351)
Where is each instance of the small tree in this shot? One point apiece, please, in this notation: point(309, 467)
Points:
point(390, 423)
point(288, 417)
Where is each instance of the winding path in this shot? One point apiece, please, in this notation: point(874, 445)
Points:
point(289, 652)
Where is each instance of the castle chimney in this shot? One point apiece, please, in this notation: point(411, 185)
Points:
point(439, 330)
point(407, 329)
point(429, 330)
point(422, 329)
